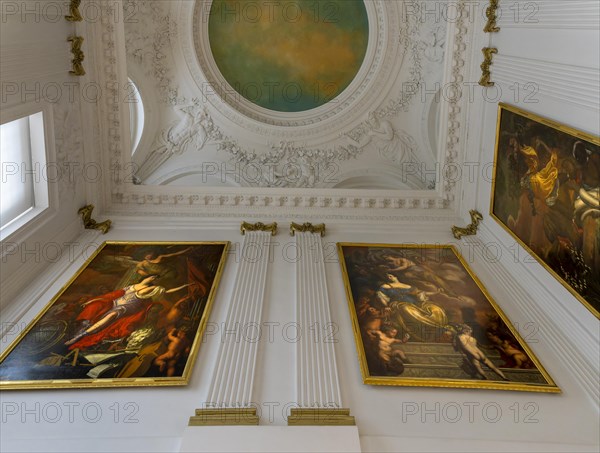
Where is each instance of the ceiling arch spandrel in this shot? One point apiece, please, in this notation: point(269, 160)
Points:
point(379, 130)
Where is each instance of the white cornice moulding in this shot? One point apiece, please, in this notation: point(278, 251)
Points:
point(196, 221)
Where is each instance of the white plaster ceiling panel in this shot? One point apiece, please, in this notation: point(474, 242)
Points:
point(197, 133)
point(381, 158)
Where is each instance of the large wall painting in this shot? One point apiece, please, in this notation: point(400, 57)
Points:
point(422, 318)
point(133, 315)
point(546, 194)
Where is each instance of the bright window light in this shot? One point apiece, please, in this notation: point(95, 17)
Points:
point(22, 157)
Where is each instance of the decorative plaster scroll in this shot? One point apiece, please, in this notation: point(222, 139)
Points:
point(68, 137)
point(233, 377)
point(147, 42)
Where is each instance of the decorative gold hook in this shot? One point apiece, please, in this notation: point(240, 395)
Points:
point(486, 76)
point(471, 229)
point(91, 224)
point(78, 56)
point(490, 13)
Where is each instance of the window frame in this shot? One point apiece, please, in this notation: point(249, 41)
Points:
point(43, 153)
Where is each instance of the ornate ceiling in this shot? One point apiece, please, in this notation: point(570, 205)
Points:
point(386, 142)
point(200, 131)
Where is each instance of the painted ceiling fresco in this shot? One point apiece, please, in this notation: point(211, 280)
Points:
point(289, 57)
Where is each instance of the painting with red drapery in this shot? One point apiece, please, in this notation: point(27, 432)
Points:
point(132, 315)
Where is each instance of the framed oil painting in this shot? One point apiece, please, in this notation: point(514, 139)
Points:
point(422, 318)
point(546, 194)
point(133, 315)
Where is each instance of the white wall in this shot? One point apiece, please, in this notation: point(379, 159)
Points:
point(36, 60)
point(566, 41)
point(566, 421)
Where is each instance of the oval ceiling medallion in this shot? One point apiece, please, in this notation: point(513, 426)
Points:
point(290, 56)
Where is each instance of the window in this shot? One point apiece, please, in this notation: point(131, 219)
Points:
point(24, 191)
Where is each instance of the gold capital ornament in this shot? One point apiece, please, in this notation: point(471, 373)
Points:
point(259, 226)
point(307, 227)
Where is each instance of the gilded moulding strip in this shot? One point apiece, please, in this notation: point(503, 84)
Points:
point(321, 417)
point(471, 229)
point(225, 417)
point(307, 227)
point(272, 227)
point(91, 224)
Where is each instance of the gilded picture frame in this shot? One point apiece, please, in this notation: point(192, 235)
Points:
point(546, 195)
point(422, 318)
point(133, 315)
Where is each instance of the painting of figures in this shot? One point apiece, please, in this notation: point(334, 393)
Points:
point(132, 316)
point(422, 318)
point(546, 194)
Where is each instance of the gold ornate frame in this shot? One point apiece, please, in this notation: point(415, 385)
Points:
point(562, 128)
point(121, 382)
point(550, 387)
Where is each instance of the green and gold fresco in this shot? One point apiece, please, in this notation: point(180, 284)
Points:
point(288, 55)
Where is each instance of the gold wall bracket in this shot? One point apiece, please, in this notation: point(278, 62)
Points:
point(321, 417)
point(486, 76)
point(78, 56)
point(307, 227)
point(491, 14)
point(225, 417)
point(91, 224)
point(74, 14)
point(272, 227)
point(471, 229)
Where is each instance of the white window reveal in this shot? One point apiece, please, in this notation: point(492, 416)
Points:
point(24, 191)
